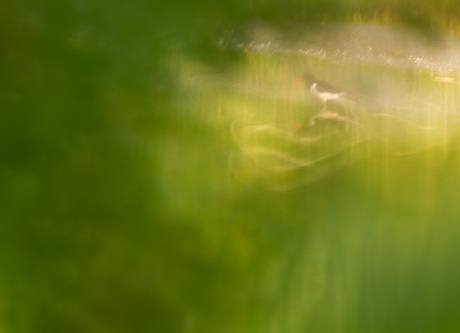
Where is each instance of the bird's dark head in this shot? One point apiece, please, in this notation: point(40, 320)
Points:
point(309, 79)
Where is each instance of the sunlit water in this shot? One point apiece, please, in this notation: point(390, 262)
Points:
point(395, 105)
point(358, 44)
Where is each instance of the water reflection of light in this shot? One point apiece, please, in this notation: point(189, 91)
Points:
point(350, 43)
point(283, 138)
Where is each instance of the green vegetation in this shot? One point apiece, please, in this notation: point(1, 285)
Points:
point(152, 182)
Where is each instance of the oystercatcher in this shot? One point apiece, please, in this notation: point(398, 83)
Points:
point(321, 90)
point(324, 92)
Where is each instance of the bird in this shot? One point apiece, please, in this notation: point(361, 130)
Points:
point(324, 91)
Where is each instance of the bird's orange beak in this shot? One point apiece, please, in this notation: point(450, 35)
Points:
point(297, 81)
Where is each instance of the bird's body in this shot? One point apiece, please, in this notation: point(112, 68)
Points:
point(322, 90)
point(325, 96)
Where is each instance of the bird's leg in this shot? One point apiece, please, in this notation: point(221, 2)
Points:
point(312, 120)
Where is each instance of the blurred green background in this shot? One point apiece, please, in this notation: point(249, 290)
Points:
point(118, 211)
